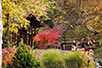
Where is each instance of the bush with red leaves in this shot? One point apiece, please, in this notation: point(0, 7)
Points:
point(49, 36)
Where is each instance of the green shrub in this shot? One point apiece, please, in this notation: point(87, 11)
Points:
point(24, 58)
point(52, 59)
point(73, 60)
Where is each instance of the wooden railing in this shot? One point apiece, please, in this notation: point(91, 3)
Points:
point(82, 44)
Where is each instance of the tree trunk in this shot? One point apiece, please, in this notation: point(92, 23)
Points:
point(80, 8)
point(1, 28)
point(7, 32)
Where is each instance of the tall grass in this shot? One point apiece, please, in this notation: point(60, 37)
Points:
point(52, 59)
point(73, 60)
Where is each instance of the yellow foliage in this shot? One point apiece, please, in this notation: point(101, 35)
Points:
point(17, 11)
point(97, 18)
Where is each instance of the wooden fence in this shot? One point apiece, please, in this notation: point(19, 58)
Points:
point(92, 45)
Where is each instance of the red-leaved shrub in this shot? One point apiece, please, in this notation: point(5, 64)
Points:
point(7, 54)
point(49, 36)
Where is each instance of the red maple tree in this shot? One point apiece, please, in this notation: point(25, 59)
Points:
point(49, 36)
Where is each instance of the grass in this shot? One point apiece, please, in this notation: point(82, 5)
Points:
point(39, 52)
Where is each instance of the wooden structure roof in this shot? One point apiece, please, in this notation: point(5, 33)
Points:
point(34, 22)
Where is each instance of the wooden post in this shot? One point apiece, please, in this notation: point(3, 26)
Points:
point(70, 46)
point(34, 34)
point(20, 33)
point(62, 46)
point(31, 37)
point(12, 38)
point(24, 36)
point(18, 37)
point(15, 38)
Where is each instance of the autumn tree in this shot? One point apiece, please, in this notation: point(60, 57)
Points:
point(65, 12)
point(81, 17)
point(50, 36)
point(13, 12)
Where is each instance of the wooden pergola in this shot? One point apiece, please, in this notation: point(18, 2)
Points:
point(34, 23)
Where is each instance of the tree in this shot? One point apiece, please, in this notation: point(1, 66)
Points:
point(1, 29)
point(13, 12)
point(49, 36)
point(69, 13)
point(92, 17)
point(82, 17)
